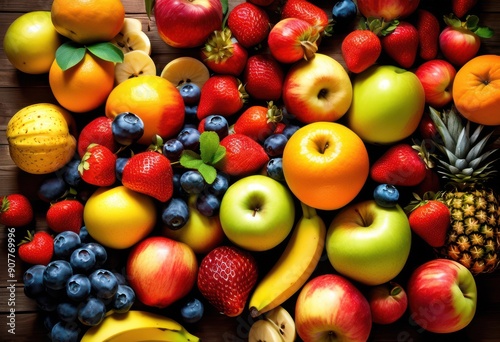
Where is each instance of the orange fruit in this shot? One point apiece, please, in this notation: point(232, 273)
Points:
point(88, 21)
point(325, 165)
point(154, 99)
point(83, 87)
point(476, 90)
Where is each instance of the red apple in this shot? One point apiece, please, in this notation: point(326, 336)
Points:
point(442, 296)
point(330, 308)
point(437, 77)
point(458, 45)
point(388, 302)
point(187, 23)
point(293, 39)
point(161, 270)
point(387, 9)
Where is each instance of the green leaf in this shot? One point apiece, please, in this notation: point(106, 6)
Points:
point(106, 51)
point(209, 142)
point(208, 172)
point(484, 32)
point(69, 54)
point(190, 159)
point(225, 6)
point(472, 22)
point(219, 154)
point(452, 20)
point(149, 7)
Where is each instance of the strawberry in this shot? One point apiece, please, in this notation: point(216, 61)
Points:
point(37, 248)
point(258, 122)
point(263, 77)
point(400, 165)
point(66, 214)
point(307, 11)
point(360, 50)
point(429, 219)
point(461, 7)
point(15, 210)
point(244, 155)
point(223, 54)
point(401, 44)
point(98, 165)
point(225, 278)
point(221, 94)
point(428, 29)
point(249, 24)
point(149, 173)
point(97, 131)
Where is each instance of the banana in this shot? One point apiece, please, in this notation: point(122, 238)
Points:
point(283, 322)
point(138, 326)
point(185, 69)
point(135, 63)
point(264, 331)
point(294, 266)
point(132, 38)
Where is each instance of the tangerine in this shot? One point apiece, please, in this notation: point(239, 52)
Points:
point(476, 90)
point(88, 21)
point(83, 87)
point(325, 165)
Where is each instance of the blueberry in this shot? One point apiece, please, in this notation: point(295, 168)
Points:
point(344, 11)
point(82, 260)
point(78, 287)
point(275, 169)
point(52, 188)
point(103, 283)
point(46, 303)
point(208, 204)
point(119, 166)
point(386, 195)
point(192, 182)
point(84, 235)
point(124, 299)
point(120, 278)
point(190, 138)
point(67, 311)
point(192, 311)
point(33, 281)
point(127, 128)
point(58, 294)
point(71, 175)
point(190, 93)
point(65, 332)
point(56, 274)
point(65, 243)
point(290, 129)
point(172, 149)
point(219, 185)
point(92, 311)
point(275, 144)
point(50, 319)
point(218, 124)
point(178, 190)
point(190, 113)
point(101, 255)
point(175, 214)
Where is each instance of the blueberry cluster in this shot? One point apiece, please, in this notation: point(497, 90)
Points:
point(75, 289)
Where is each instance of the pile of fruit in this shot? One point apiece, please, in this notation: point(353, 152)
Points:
point(226, 176)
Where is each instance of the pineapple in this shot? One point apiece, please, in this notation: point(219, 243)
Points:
point(473, 238)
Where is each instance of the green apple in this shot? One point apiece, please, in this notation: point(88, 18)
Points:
point(257, 212)
point(369, 243)
point(31, 41)
point(388, 103)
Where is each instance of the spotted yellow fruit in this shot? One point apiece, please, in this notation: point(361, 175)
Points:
point(40, 138)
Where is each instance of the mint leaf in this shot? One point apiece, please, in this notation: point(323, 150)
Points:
point(219, 154)
point(190, 159)
point(69, 54)
point(208, 172)
point(209, 142)
point(106, 51)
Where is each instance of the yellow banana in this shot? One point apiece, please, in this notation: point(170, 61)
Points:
point(138, 326)
point(295, 265)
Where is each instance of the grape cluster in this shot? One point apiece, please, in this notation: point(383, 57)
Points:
point(75, 289)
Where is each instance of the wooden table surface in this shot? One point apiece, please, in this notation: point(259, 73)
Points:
point(18, 90)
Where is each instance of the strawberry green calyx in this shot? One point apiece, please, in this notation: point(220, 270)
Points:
point(378, 26)
point(471, 23)
point(274, 113)
point(219, 46)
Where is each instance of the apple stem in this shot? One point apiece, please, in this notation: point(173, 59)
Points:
point(309, 48)
point(307, 211)
point(254, 312)
point(395, 290)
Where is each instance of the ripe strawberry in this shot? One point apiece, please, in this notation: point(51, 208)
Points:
point(97, 131)
point(430, 219)
point(249, 24)
point(306, 11)
point(243, 155)
point(64, 215)
point(225, 278)
point(263, 77)
point(15, 210)
point(360, 50)
point(37, 248)
point(221, 94)
point(258, 122)
point(98, 166)
point(223, 54)
point(428, 29)
point(401, 44)
point(149, 173)
point(400, 165)
point(461, 7)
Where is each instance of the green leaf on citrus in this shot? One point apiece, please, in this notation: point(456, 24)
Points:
point(69, 54)
point(106, 51)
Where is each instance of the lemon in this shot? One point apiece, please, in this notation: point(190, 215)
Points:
point(119, 217)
